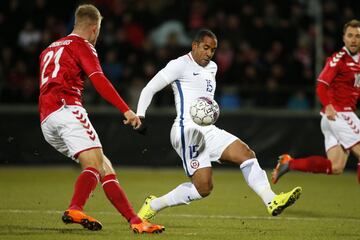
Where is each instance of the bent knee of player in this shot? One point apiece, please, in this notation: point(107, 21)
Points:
point(337, 169)
point(98, 166)
point(205, 189)
point(246, 154)
point(244, 151)
point(93, 160)
point(250, 153)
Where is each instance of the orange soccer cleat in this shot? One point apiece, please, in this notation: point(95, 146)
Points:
point(281, 168)
point(77, 216)
point(147, 227)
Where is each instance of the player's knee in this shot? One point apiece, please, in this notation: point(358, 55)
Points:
point(336, 169)
point(97, 164)
point(100, 169)
point(205, 189)
point(245, 154)
point(249, 153)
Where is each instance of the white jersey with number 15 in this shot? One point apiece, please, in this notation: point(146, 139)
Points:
point(189, 81)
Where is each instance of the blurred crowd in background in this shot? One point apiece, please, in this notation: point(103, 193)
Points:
point(265, 52)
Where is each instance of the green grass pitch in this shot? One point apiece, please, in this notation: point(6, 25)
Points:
point(32, 201)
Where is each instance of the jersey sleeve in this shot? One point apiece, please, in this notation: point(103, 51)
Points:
point(108, 92)
point(154, 85)
point(88, 58)
point(322, 93)
point(172, 71)
point(329, 72)
point(89, 62)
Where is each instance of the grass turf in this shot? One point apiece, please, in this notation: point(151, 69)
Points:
point(32, 201)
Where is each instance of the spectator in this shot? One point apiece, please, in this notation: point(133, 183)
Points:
point(143, 31)
point(29, 36)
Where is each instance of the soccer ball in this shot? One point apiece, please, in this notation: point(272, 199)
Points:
point(204, 111)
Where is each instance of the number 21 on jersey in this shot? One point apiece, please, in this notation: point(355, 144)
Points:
point(48, 58)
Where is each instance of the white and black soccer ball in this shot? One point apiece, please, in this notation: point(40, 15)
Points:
point(204, 111)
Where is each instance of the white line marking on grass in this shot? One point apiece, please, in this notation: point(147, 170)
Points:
point(25, 211)
point(260, 217)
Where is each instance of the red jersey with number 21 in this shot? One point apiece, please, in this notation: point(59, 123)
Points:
point(342, 76)
point(64, 64)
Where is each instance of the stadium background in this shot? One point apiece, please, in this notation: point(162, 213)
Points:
point(269, 55)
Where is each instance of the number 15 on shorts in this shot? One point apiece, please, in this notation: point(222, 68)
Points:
point(194, 151)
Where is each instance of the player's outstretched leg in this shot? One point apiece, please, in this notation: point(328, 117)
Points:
point(283, 200)
point(145, 212)
point(281, 168)
point(147, 227)
point(77, 216)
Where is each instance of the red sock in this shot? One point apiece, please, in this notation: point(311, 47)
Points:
point(118, 198)
point(85, 184)
point(314, 164)
point(359, 172)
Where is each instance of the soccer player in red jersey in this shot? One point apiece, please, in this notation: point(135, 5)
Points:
point(64, 66)
point(338, 89)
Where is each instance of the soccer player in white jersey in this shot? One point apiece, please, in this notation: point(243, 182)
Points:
point(192, 76)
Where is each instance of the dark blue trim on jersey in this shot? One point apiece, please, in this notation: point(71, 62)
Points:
point(178, 85)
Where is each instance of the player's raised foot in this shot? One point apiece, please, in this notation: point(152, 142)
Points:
point(76, 216)
point(283, 200)
point(147, 227)
point(281, 168)
point(145, 212)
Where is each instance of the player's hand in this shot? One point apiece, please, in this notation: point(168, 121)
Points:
point(132, 119)
point(143, 127)
point(330, 112)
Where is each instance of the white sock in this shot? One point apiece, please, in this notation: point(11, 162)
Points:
point(182, 194)
point(257, 179)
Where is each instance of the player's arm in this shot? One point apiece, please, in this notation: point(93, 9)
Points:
point(325, 78)
point(157, 83)
point(168, 74)
point(322, 93)
point(88, 59)
point(108, 92)
point(171, 72)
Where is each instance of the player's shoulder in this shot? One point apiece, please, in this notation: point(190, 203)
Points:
point(178, 62)
point(81, 45)
point(339, 54)
point(336, 57)
point(212, 65)
point(67, 41)
point(64, 41)
point(183, 59)
point(80, 41)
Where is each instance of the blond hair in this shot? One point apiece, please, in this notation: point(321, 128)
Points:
point(353, 23)
point(87, 14)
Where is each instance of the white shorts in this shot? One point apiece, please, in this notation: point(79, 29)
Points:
point(345, 130)
point(199, 146)
point(70, 131)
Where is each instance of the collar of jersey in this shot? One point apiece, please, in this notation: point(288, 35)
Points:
point(355, 57)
